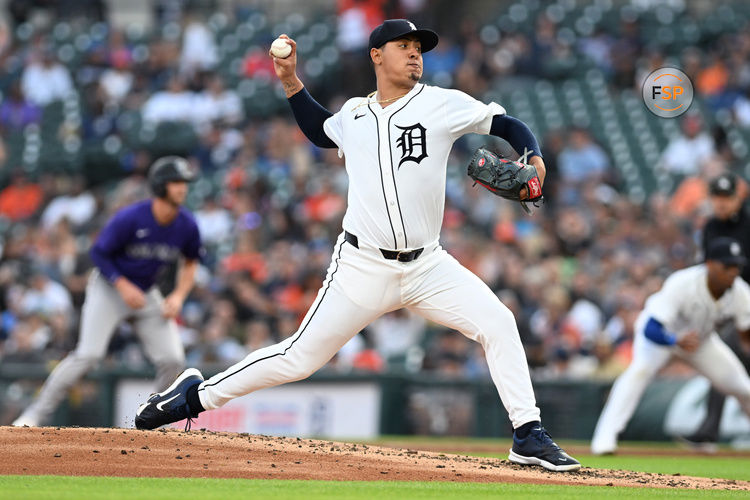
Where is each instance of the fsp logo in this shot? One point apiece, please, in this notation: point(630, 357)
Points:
point(667, 92)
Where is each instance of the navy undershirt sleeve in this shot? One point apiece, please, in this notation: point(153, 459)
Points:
point(516, 133)
point(655, 332)
point(310, 117)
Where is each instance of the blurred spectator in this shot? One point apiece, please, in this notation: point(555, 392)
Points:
point(624, 52)
point(76, 205)
point(214, 222)
point(574, 231)
point(45, 297)
point(324, 204)
point(199, 50)
point(45, 80)
point(393, 334)
point(16, 112)
point(258, 335)
point(356, 19)
point(585, 315)
point(598, 48)
point(441, 63)
point(174, 103)
point(217, 103)
point(368, 359)
point(712, 81)
point(21, 199)
point(217, 346)
point(218, 146)
point(25, 344)
point(582, 160)
point(117, 81)
point(685, 153)
point(552, 326)
point(448, 354)
point(611, 360)
point(692, 191)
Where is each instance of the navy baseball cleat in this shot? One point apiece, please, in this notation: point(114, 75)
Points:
point(537, 448)
point(171, 405)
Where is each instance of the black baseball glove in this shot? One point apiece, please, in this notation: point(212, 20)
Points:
point(506, 178)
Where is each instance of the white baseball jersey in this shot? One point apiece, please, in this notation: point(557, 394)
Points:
point(396, 160)
point(685, 304)
point(682, 305)
point(399, 204)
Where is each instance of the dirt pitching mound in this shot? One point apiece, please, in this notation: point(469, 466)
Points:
point(172, 453)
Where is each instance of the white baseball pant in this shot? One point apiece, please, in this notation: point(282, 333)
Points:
point(713, 359)
point(103, 309)
point(360, 286)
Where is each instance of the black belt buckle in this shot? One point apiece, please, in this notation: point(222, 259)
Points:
point(402, 256)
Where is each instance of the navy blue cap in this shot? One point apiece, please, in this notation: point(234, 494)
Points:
point(393, 29)
point(726, 250)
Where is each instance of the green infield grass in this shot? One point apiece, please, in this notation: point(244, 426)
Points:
point(688, 465)
point(62, 488)
point(671, 457)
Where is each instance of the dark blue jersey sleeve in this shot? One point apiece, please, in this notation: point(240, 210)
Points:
point(310, 117)
point(516, 133)
point(115, 234)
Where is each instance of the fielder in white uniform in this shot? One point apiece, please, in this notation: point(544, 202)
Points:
point(680, 320)
point(396, 144)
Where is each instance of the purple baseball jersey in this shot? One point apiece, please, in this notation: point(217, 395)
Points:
point(132, 244)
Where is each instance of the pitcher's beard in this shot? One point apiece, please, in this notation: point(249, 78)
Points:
point(414, 76)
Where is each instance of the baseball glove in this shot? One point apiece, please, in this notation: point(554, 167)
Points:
point(506, 178)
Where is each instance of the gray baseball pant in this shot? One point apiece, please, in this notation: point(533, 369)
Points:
point(103, 309)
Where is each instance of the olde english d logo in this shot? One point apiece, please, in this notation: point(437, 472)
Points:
point(413, 143)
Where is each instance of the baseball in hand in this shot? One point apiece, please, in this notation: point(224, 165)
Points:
point(280, 48)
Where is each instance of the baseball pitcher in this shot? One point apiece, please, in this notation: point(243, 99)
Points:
point(129, 253)
point(680, 320)
point(396, 142)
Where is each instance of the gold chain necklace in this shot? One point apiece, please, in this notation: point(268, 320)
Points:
point(371, 94)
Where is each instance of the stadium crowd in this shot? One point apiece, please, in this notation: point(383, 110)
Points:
point(270, 205)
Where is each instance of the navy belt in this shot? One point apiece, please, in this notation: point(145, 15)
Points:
point(401, 256)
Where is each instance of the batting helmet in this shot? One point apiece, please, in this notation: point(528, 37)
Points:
point(169, 169)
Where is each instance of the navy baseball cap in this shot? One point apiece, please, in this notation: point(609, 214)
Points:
point(723, 185)
point(393, 29)
point(727, 251)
